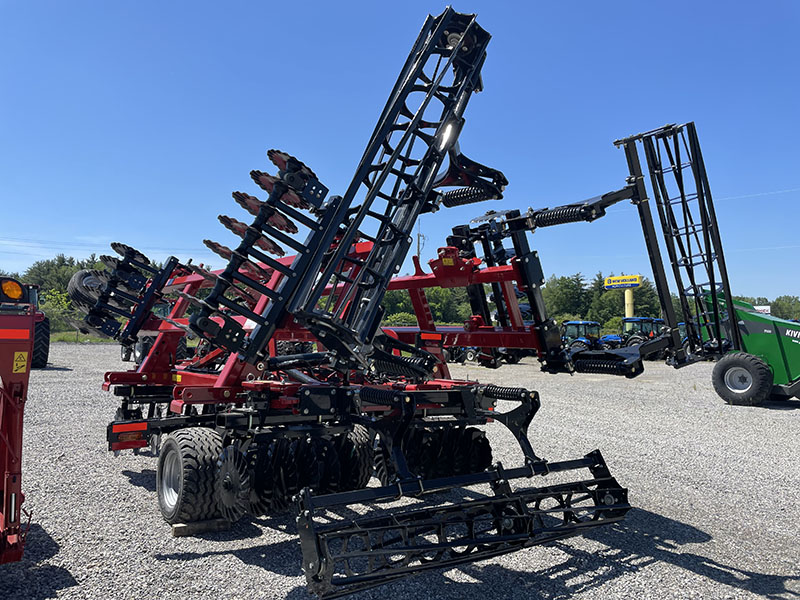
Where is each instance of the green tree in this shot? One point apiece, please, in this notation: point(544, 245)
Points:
point(444, 303)
point(565, 295)
point(645, 300)
point(755, 301)
point(400, 319)
point(563, 318)
point(607, 306)
point(55, 273)
point(396, 301)
point(58, 308)
point(613, 325)
point(786, 307)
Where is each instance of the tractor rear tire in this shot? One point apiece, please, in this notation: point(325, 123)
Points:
point(182, 351)
point(742, 379)
point(634, 340)
point(41, 344)
point(187, 466)
point(578, 346)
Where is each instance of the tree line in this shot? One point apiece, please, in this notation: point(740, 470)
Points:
point(567, 297)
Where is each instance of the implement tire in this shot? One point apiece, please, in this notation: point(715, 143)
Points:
point(41, 344)
point(356, 458)
point(187, 466)
point(742, 379)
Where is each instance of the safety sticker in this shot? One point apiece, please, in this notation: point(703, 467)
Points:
point(20, 362)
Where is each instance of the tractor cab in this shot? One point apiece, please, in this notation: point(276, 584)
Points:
point(639, 326)
point(658, 326)
point(580, 335)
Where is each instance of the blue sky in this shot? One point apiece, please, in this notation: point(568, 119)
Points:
point(134, 121)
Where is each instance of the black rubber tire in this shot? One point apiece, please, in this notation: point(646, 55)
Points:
point(142, 348)
point(470, 355)
point(757, 373)
point(196, 450)
point(356, 458)
point(85, 287)
point(41, 344)
point(634, 340)
point(182, 351)
point(578, 346)
point(384, 469)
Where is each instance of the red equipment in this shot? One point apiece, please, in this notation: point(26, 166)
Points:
point(509, 272)
point(251, 430)
point(17, 324)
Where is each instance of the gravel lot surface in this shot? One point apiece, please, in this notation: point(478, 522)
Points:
point(716, 491)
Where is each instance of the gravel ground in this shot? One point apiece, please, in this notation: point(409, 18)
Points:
point(716, 491)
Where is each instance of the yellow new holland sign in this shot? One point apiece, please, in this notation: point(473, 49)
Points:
point(623, 281)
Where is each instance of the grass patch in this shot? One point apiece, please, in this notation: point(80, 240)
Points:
point(79, 338)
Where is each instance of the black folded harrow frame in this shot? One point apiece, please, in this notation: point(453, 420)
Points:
point(242, 429)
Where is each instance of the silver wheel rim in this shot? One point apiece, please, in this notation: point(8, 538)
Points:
point(738, 379)
point(170, 479)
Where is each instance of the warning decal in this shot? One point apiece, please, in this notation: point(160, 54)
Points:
point(20, 362)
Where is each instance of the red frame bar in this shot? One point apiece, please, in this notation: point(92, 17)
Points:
point(16, 353)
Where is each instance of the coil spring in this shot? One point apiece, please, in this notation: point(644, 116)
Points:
point(404, 366)
point(601, 367)
point(466, 195)
point(501, 392)
point(559, 216)
point(380, 396)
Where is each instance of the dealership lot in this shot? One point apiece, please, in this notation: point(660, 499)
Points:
point(715, 490)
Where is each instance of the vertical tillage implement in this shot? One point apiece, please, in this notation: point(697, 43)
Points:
point(245, 429)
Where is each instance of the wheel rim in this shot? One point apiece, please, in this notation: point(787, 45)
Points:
point(738, 379)
point(170, 479)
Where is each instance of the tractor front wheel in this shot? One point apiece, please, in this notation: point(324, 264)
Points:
point(742, 379)
point(187, 466)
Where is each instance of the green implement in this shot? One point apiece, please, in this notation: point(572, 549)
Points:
point(758, 355)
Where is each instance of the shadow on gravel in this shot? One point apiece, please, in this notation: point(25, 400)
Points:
point(645, 538)
point(781, 405)
point(29, 578)
point(50, 367)
point(146, 479)
point(642, 540)
point(282, 558)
